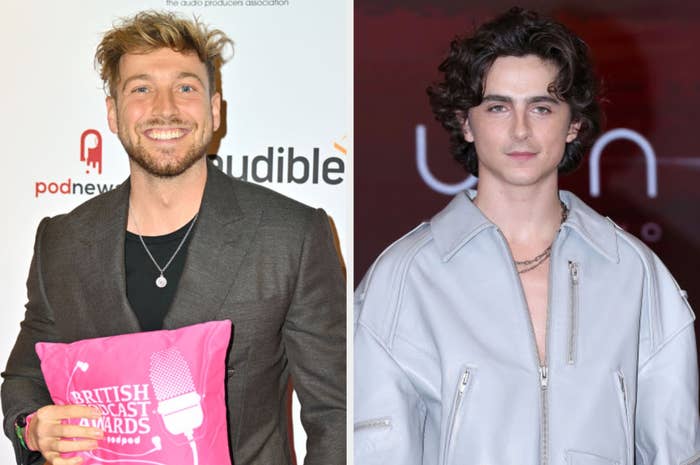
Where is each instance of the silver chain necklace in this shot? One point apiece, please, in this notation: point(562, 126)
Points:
point(533, 263)
point(161, 281)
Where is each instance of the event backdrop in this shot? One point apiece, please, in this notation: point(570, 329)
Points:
point(287, 95)
point(649, 160)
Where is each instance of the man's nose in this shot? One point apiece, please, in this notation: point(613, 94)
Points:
point(164, 104)
point(520, 129)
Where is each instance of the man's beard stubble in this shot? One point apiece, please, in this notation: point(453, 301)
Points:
point(174, 167)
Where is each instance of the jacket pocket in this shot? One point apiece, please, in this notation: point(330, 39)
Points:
point(575, 457)
point(694, 460)
point(465, 380)
point(375, 423)
point(621, 388)
point(573, 311)
point(372, 438)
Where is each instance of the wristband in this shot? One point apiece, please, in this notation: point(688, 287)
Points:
point(21, 423)
point(22, 427)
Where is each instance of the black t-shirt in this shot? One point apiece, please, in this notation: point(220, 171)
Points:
point(150, 302)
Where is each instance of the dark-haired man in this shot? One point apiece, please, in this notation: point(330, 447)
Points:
point(518, 325)
point(180, 243)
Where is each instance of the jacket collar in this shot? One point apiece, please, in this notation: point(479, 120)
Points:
point(219, 204)
point(460, 221)
point(219, 241)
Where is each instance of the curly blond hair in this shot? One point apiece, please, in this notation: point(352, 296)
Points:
point(150, 30)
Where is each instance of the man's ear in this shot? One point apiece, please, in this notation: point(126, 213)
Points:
point(216, 111)
point(112, 114)
point(463, 118)
point(572, 133)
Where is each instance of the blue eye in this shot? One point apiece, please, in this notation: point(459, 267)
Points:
point(542, 110)
point(186, 88)
point(140, 90)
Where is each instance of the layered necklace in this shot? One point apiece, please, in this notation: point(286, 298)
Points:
point(161, 280)
point(524, 266)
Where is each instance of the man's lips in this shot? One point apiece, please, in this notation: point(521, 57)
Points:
point(165, 134)
point(519, 154)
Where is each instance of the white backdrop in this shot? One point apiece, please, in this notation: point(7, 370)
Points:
point(288, 85)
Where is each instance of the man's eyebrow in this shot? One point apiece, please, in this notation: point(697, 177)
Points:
point(535, 99)
point(186, 74)
point(544, 99)
point(497, 98)
point(146, 77)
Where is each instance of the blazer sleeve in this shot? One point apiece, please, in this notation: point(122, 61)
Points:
point(667, 423)
point(314, 337)
point(23, 387)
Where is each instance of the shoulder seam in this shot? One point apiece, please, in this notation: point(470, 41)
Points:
point(643, 255)
point(397, 278)
point(400, 285)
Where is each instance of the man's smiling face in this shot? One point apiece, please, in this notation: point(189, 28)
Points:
point(163, 110)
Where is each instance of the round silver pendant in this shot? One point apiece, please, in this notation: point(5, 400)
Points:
point(161, 281)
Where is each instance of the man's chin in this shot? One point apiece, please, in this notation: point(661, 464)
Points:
point(167, 169)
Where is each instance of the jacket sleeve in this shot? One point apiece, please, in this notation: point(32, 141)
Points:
point(314, 337)
point(389, 414)
point(23, 388)
point(667, 421)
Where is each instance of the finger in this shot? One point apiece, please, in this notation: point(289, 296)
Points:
point(56, 431)
point(79, 411)
point(52, 413)
point(75, 431)
point(71, 461)
point(52, 447)
point(64, 446)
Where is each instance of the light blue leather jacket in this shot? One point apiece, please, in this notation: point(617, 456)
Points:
point(447, 370)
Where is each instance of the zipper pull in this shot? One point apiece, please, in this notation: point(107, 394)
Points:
point(573, 270)
point(544, 376)
point(463, 382)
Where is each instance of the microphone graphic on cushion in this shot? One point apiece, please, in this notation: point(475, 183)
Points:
point(178, 401)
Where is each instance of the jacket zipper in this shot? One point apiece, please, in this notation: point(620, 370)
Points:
point(543, 367)
point(625, 414)
point(544, 428)
point(573, 309)
point(375, 423)
point(454, 416)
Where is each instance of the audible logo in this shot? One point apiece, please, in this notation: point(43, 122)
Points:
point(282, 165)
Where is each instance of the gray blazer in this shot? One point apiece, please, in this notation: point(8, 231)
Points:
point(260, 259)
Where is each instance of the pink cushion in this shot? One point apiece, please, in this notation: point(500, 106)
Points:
point(161, 393)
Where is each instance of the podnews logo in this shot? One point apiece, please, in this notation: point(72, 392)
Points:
point(91, 158)
point(91, 152)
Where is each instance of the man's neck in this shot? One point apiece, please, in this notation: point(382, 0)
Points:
point(525, 214)
point(159, 206)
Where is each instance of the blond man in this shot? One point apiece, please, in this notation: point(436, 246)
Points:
point(230, 249)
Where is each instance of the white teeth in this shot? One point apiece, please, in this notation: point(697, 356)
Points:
point(165, 134)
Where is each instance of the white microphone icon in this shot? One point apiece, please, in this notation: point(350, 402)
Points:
point(178, 401)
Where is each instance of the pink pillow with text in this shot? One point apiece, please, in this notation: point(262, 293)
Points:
point(161, 393)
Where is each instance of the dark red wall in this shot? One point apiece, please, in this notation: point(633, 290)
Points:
point(646, 53)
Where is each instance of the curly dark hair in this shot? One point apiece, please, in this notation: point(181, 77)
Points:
point(518, 33)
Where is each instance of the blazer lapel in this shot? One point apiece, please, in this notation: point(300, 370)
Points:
point(220, 241)
point(105, 257)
